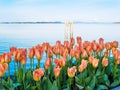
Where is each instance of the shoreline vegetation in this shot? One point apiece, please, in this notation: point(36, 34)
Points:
point(56, 22)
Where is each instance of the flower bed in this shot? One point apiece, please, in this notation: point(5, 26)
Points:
point(81, 65)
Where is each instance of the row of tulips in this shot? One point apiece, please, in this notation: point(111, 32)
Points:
point(71, 65)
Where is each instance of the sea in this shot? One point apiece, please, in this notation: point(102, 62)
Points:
point(28, 35)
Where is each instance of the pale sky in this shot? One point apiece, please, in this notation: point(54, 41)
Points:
point(60, 10)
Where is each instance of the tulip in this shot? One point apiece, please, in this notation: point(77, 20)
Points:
point(72, 42)
point(77, 54)
point(91, 59)
point(31, 53)
point(71, 71)
point(65, 53)
point(83, 65)
point(115, 44)
point(23, 60)
point(7, 57)
point(12, 50)
point(84, 54)
point(60, 62)
point(95, 62)
point(79, 40)
point(108, 46)
point(56, 71)
point(105, 53)
point(89, 50)
point(105, 62)
point(48, 63)
point(37, 74)
point(72, 53)
point(58, 43)
point(3, 68)
point(94, 45)
point(101, 40)
point(50, 53)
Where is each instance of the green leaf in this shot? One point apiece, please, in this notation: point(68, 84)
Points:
point(77, 80)
point(87, 80)
point(33, 87)
point(79, 86)
point(98, 73)
point(114, 84)
point(88, 88)
point(54, 86)
point(92, 83)
point(16, 85)
point(47, 84)
point(102, 87)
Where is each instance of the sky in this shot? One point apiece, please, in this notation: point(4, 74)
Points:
point(60, 10)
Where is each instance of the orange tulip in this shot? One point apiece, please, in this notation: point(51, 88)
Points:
point(65, 53)
point(58, 43)
point(12, 50)
point(114, 51)
point(37, 74)
point(38, 53)
point(45, 46)
point(3, 68)
point(56, 71)
point(95, 62)
point(79, 40)
point(72, 53)
point(67, 45)
point(89, 50)
point(105, 62)
point(115, 44)
point(91, 59)
point(31, 53)
point(48, 63)
point(72, 41)
point(83, 65)
point(56, 50)
point(94, 45)
point(101, 40)
point(60, 62)
point(2, 58)
point(108, 45)
point(105, 53)
point(7, 57)
point(71, 71)
point(77, 54)
point(23, 60)
point(84, 54)
point(50, 53)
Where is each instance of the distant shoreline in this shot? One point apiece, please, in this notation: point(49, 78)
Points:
point(58, 22)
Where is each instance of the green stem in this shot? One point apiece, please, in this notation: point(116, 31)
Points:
point(9, 73)
point(70, 83)
point(33, 64)
point(58, 83)
point(1, 83)
point(39, 84)
point(38, 63)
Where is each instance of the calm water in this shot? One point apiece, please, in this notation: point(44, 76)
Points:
point(28, 35)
